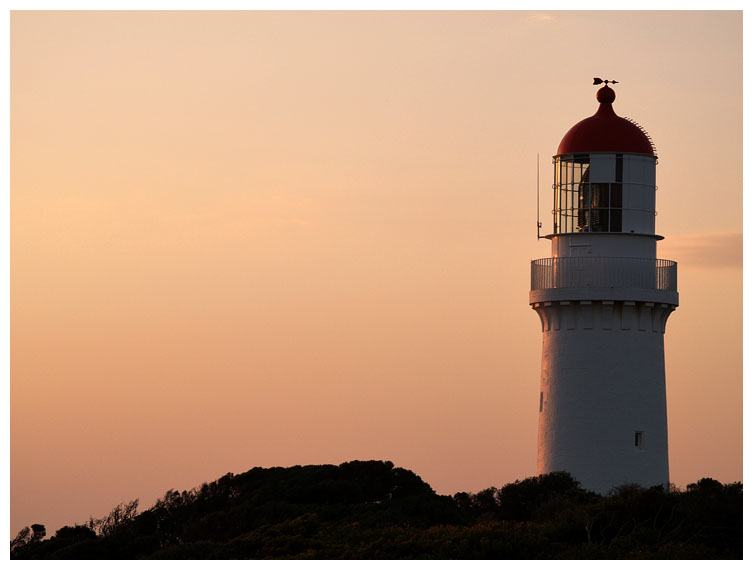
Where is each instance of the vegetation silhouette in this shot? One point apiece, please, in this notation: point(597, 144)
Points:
point(374, 510)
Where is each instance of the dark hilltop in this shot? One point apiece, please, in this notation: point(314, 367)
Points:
point(374, 510)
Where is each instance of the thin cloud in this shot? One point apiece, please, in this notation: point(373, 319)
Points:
point(705, 250)
point(541, 17)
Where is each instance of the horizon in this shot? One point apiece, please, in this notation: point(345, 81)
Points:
point(255, 239)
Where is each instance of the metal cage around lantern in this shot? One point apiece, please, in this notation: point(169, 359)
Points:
point(590, 194)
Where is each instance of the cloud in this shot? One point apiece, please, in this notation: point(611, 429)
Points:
point(541, 17)
point(704, 250)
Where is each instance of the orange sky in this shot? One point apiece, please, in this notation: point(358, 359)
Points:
point(257, 239)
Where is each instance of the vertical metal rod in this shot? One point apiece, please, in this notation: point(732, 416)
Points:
point(538, 200)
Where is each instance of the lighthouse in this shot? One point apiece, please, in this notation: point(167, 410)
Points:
point(603, 299)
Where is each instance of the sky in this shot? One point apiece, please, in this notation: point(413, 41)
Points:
point(245, 239)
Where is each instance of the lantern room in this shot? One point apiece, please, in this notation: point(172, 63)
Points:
point(605, 176)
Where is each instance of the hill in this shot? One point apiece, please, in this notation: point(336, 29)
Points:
point(374, 510)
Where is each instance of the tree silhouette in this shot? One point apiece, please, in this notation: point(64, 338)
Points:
point(374, 510)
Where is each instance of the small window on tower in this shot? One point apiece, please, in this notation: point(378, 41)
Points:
point(541, 401)
point(639, 440)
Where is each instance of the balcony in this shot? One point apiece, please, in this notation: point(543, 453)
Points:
point(624, 278)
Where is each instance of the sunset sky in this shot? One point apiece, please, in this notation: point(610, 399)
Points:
point(248, 239)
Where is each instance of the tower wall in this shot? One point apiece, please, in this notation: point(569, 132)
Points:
point(602, 407)
point(603, 245)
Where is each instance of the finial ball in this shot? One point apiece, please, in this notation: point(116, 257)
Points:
point(605, 95)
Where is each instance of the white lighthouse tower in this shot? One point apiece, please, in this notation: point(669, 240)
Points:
point(603, 299)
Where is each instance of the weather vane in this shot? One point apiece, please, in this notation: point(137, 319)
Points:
point(599, 80)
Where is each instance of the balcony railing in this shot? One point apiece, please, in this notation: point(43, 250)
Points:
point(623, 272)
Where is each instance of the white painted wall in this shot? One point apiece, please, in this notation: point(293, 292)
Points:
point(602, 380)
point(603, 245)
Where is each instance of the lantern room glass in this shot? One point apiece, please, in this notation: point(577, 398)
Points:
point(581, 205)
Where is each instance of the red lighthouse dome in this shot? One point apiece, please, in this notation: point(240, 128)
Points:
point(605, 131)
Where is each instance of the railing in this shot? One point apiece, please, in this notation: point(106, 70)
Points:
point(623, 272)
